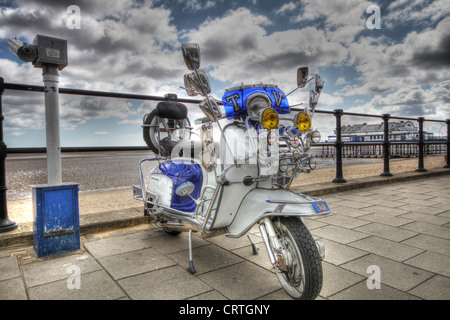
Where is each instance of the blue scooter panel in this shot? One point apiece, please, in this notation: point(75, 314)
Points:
point(182, 171)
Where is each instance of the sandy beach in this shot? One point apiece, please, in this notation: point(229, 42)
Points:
point(102, 201)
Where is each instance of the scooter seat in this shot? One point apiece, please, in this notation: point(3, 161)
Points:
point(171, 110)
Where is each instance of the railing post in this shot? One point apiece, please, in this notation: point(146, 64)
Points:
point(5, 223)
point(386, 147)
point(421, 145)
point(339, 176)
point(447, 165)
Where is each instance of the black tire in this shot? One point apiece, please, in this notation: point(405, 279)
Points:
point(150, 134)
point(303, 279)
point(172, 233)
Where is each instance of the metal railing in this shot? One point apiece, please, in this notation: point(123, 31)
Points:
point(386, 144)
point(7, 225)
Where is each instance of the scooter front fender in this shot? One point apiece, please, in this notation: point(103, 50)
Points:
point(260, 203)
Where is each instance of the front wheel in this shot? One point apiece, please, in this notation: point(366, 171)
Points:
point(301, 275)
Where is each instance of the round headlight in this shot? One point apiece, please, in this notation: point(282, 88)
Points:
point(269, 119)
point(283, 165)
point(303, 121)
point(315, 136)
point(257, 102)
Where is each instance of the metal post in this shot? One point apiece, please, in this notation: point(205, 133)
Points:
point(421, 145)
point(386, 147)
point(339, 176)
point(5, 223)
point(51, 80)
point(447, 165)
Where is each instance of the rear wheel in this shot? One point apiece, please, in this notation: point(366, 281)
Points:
point(302, 274)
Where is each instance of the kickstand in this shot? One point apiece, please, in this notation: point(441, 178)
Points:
point(254, 247)
point(191, 267)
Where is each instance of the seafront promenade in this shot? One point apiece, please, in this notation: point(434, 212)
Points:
point(395, 230)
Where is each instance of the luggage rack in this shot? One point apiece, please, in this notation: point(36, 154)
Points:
point(203, 222)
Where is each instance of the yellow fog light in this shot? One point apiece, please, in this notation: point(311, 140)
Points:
point(303, 121)
point(269, 119)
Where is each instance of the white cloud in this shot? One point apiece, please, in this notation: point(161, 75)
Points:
point(343, 19)
point(247, 53)
point(340, 81)
point(402, 12)
point(286, 7)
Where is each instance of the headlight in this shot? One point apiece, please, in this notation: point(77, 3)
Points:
point(256, 103)
point(283, 165)
point(315, 136)
point(269, 119)
point(303, 121)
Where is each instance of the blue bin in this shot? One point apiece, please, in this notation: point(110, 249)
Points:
point(56, 223)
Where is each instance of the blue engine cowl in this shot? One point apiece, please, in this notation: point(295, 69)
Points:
point(181, 171)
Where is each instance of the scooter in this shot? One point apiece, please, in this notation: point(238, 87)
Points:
point(234, 171)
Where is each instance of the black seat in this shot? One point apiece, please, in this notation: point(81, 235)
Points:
point(171, 110)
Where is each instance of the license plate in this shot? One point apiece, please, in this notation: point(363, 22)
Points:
point(321, 206)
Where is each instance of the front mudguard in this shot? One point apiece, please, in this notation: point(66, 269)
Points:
point(260, 203)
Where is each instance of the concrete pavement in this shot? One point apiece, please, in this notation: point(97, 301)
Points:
point(396, 232)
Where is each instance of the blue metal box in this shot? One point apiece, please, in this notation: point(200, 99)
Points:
point(56, 226)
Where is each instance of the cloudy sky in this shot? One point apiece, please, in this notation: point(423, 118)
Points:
point(402, 68)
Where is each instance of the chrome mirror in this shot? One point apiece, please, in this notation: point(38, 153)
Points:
point(302, 75)
point(191, 55)
point(319, 83)
point(197, 83)
point(210, 108)
point(189, 85)
point(313, 99)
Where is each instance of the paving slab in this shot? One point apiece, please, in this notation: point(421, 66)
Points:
point(173, 283)
point(243, 281)
point(386, 248)
point(392, 273)
point(338, 234)
point(115, 245)
point(393, 221)
point(361, 292)
point(96, 285)
point(336, 279)
point(206, 258)
point(427, 228)
point(436, 288)
point(432, 261)
point(430, 243)
point(48, 270)
point(135, 262)
point(12, 289)
point(9, 268)
point(343, 221)
point(337, 253)
point(385, 231)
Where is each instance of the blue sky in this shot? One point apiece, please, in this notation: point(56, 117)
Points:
point(127, 46)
